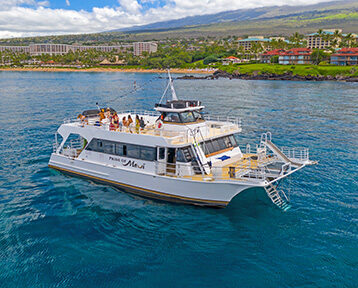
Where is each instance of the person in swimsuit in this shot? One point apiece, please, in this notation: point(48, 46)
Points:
point(115, 120)
point(101, 115)
point(137, 124)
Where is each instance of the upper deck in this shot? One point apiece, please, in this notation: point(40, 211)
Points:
point(174, 134)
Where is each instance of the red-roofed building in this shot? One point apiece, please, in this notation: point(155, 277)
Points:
point(231, 59)
point(296, 56)
point(266, 57)
point(345, 56)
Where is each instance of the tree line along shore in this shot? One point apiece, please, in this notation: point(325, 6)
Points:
point(256, 71)
point(229, 57)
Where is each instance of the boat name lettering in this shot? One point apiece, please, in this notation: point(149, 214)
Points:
point(126, 162)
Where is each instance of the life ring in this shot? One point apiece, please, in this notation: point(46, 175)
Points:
point(159, 124)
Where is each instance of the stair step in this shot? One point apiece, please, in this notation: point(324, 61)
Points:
point(276, 197)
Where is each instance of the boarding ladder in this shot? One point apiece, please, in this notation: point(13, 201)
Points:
point(278, 197)
point(199, 153)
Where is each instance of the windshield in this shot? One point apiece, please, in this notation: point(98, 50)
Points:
point(198, 115)
point(171, 117)
point(187, 117)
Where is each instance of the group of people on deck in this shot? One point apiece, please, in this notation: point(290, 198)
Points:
point(116, 125)
point(112, 119)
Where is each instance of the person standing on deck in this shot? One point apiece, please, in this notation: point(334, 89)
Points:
point(137, 124)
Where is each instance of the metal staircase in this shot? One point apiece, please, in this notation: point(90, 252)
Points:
point(276, 198)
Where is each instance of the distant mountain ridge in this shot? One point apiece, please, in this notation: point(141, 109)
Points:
point(266, 21)
point(259, 14)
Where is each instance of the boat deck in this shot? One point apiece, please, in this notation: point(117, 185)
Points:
point(173, 137)
point(249, 164)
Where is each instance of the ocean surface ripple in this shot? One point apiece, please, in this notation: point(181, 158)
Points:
point(61, 231)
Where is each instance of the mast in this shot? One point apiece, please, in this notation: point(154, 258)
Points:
point(174, 95)
point(171, 85)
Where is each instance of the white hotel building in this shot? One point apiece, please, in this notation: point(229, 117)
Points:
point(140, 47)
point(60, 49)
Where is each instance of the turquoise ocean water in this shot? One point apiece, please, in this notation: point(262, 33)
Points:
point(61, 231)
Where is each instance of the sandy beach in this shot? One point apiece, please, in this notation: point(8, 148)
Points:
point(107, 69)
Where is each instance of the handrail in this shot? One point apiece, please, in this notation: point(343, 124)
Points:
point(187, 170)
point(299, 153)
point(226, 119)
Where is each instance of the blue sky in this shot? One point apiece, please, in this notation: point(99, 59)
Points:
point(20, 18)
point(88, 5)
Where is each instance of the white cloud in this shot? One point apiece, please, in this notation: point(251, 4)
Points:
point(132, 6)
point(16, 21)
point(6, 4)
point(68, 3)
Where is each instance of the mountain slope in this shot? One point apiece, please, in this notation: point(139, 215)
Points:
point(258, 14)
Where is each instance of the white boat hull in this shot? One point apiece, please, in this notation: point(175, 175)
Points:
point(203, 193)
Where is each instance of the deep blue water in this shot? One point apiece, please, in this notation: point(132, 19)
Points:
point(61, 231)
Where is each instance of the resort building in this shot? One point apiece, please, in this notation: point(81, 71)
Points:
point(314, 41)
point(102, 48)
point(61, 49)
point(295, 56)
point(52, 49)
point(266, 57)
point(345, 56)
point(251, 41)
point(20, 49)
point(140, 47)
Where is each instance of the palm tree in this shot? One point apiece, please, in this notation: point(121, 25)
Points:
point(296, 39)
point(349, 39)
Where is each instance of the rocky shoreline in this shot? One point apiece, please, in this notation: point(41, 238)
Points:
point(269, 76)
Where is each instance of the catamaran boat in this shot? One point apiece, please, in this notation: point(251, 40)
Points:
point(181, 155)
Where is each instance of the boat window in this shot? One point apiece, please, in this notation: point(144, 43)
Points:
point(109, 147)
point(218, 144)
point(133, 151)
point(207, 147)
point(121, 149)
point(198, 115)
point(148, 153)
point(172, 117)
point(180, 156)
point(233, 141)
point(237, 138)
point(95, 145)
point(227, 142)
point(187, 117)
point(221, 143)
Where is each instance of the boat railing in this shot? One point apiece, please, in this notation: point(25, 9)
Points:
point(55, 147)
point(71, 120)
point(71, 148)
point(196, 172)
point(140, 112)
point(298, 153)
point(222, 118)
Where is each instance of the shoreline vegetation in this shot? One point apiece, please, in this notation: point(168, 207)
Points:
point(235, 71)
point(108, 69)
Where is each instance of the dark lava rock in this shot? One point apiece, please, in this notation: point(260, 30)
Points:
point(192, 77)
point(288, 76)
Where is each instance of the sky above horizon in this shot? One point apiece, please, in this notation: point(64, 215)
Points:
point(20, 18)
